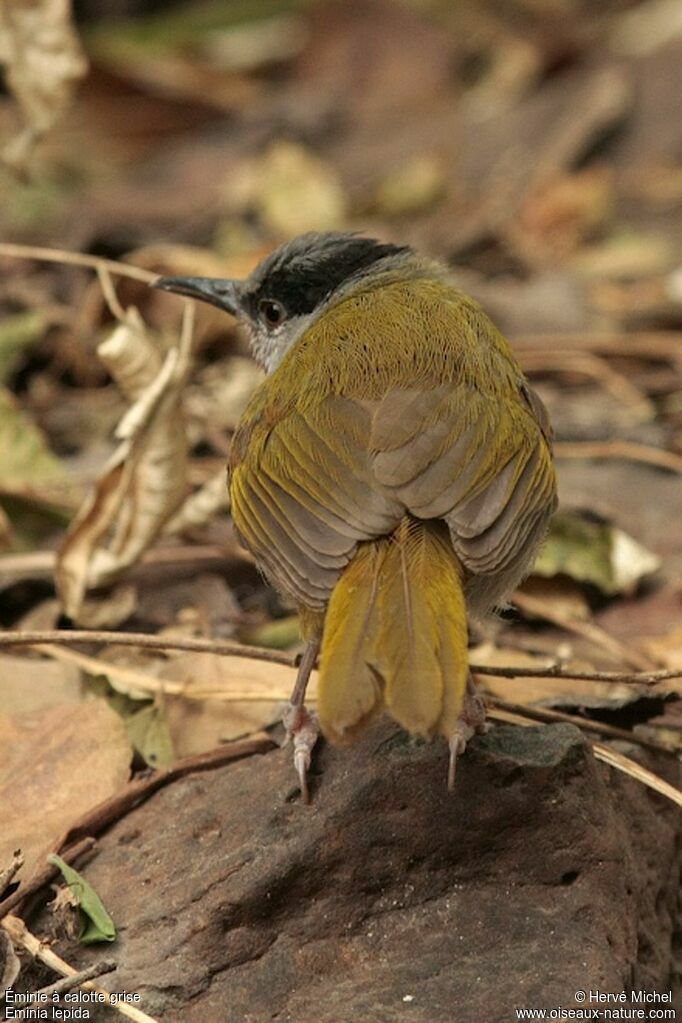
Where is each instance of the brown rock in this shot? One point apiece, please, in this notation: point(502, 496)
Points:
point(543, 873)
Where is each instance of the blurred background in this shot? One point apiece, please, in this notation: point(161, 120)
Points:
point(533, 145)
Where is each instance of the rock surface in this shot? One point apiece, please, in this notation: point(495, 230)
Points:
point(388, 898)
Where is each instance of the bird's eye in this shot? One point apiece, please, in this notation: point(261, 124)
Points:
point(272, 312)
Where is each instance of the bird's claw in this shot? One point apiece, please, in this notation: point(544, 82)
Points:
point(302, 727)
point(458, 744)
point(471, 722)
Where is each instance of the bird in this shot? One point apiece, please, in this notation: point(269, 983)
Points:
point(392, 476)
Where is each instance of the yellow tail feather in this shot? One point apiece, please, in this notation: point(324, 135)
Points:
point(395, 634)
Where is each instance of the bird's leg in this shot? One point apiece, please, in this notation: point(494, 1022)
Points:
point(471, 720)
point(302, 725)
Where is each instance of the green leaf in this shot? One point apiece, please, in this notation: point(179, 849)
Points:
point(590, 550)
point(97, 924)
point(149, 734)
point(16, 333)
point(25, 458)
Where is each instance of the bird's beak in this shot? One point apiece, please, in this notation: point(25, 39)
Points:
point(223, 293)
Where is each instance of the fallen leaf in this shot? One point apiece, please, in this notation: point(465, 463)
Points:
point(590, 550)
point(43, 61)
point(203, 721)
point(562, 593)
point(17, 332)
point(280, 634)
point(108, 610)
point(666, 650)
point(201, 506)
point(97, 924)
point(56, 765)
point(26, 462)
point(547, 692)
point(291, 190)
point(223, 391)
point(30, 685)
point(150, 735)
point(34, 485)
point(413, 187)
point(665, 728)
point(144, 481)
point(559, 214)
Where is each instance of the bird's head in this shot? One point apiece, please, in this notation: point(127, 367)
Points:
point(281, 298)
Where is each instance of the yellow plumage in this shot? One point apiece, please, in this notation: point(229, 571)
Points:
point(391, 474)
point(409, 480)
point(395, 635)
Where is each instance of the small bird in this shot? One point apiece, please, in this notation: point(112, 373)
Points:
point(391, 475)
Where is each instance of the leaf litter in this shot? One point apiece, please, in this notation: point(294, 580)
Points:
point(544, 185)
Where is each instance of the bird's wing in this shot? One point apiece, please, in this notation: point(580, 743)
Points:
point(303, 496)
point(353, 430)
point(481, 464)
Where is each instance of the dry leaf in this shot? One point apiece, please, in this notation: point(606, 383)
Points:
point(666, 650)
point(200, 724)
point(589, 549)
point(57, 765)
point(27, 466)
point(291, 190)
point(144, 481)
point(563, 594)
point(665, 728)
point(559, 214)
point(223, 391)
point(30, 685)
point(43, 60)
point(201, 506)
point(413, 187)
point(546, 692)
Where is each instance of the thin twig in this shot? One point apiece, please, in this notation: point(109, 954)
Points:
point(46, 255)
point(585, 724)
point(663, 345)
point(60, 987)
point(596, 367)
point(150, 641)
point(110, 296)
point(43, 876)
point(32, 564)
point(625, 449)
point(147, 641)
point(588, 630)
point(20, 935)
point(76, 979)
point(636, 771)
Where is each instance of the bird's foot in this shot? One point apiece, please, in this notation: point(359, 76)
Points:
point(303, 730)
point(471, 721)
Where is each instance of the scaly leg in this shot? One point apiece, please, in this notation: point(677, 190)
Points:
point(471, 720)
point(301, 724)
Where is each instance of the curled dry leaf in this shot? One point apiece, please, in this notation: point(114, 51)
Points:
point(43, 61)
point(224, 698)
point(202, 505)
point(144, 481)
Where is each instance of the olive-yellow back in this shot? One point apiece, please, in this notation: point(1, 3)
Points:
point(392, 471)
